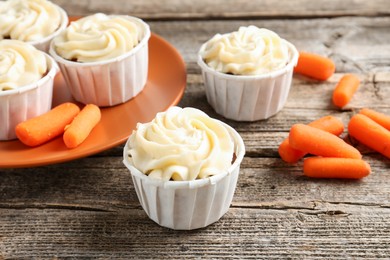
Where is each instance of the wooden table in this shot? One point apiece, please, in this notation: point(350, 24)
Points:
point(88, 208)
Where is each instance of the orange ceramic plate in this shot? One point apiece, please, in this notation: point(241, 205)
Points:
point(164, 88)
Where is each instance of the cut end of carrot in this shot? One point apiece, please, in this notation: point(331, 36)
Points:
point(24, 135)
point(315, 66)
point(289, 154)
point(81, 126)
point(340, 100)
point(71, 139)
point(345, 89)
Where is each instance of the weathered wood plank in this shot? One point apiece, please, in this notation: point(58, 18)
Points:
point(308, 101)
point(344, 39)
point(93, 182)
point(203, 9)
point(104, 184)
point(88, 208)
point(352, 232)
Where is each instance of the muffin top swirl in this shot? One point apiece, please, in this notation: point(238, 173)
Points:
point(181, 144)
point(20, 64)
point(28, 20)
point(248, 51)
point(99, 37)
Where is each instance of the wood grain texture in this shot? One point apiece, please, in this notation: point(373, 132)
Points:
point(342, 39)
point(204, 9)
point(88, 208)
point(104, 184)
point(241, 233)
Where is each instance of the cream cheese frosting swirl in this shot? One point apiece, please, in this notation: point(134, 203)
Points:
point(20, 64)
point(181, 144)
point(28, 20)
point(99, 37)
point(248, 51)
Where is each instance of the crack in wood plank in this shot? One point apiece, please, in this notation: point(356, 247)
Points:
point(355, 203)
point(44, 206)
point(338, 213)
point(313, 207)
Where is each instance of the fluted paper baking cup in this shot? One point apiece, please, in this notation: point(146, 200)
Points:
point(25, 102)
point(44, 44)
point(110, 82)
point(248, 98)
point(186, 205)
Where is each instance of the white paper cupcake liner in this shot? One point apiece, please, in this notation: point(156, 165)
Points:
point(44, 44)
point(25, 102)
point(111, 82)
point(248, 98)
point(186, 205)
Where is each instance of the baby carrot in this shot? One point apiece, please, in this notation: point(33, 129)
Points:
point(314, 66)
point(345, 168)
point(319, 142)
point(345, 89)
point(81, 126)
point(382, 119)
point(370, 133)
point(45, 127)
point(289, 154)
point(327, 123)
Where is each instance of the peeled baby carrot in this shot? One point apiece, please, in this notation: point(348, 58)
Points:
point(345, 168)
point(382, 119)
point(327, 123)
point(289, 154)
point(81, 126)
point(319, 142)
point(45, 127)
point(370, 133)
point(345, 89)
point(315, 66)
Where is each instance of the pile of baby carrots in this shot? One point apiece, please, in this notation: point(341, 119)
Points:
point(331, 156)
point(335, 158)
point(66, 119)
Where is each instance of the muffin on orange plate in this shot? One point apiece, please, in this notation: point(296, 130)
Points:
point(247, 73)
point(184, 167)
point(34, 21)
point(103, 58)
point(26, 84)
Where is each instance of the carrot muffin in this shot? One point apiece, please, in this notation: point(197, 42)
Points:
point(26, 84)
point(32, 21)
point(184, 166)
point(247, 73)
point(104, 58)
